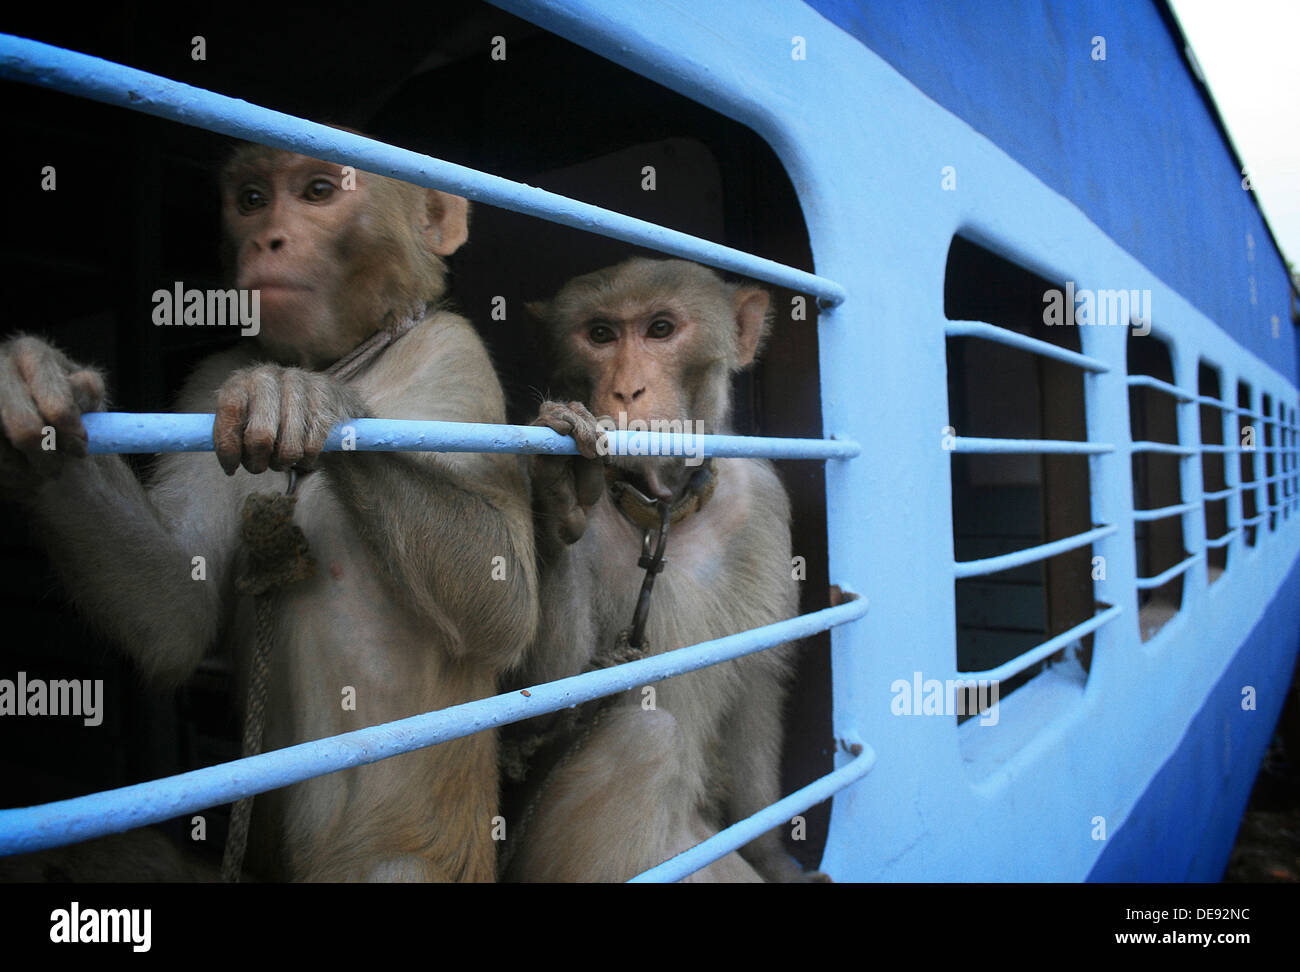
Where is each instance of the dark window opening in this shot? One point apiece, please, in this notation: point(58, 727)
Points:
point(1246, 434)
point(1270, 464)
point(1213, 471)
point(1153, 417)
point(432, 87)
point(1004, 503)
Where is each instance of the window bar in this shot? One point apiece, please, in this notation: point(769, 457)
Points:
point(1018, 664)
point(1166, 511)
point(1164, 577)
point(74, 73)
point(741, 833)
point(1225, 449)
point(971, 444)
point(1223, 540)
point(1146, 381)
point(1168, 447)
point(1013, 339)
point(1220, 494)
point(112, 811)
point(1018, 558)
point(123, 432)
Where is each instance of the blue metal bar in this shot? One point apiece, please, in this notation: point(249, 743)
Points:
point(128, 432)
point(993, 565)
point(1164, 511)
point(741, 833)
point(1253, 520)
point(69, 821)
point(1050, 647)
point(1163, 578)
point(1225, 449)
point(1146, 381)
point(1217, 403)
point(1219, 494)
point(982, 446)
point(1164, 447)
point(1223, 540)
point(90, 77)
point(1000, 335)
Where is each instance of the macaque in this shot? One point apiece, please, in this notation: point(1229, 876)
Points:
point(425, 583)
point(662, 767)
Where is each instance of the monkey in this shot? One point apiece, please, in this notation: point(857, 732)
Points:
point(661, 768)
point(425, 589)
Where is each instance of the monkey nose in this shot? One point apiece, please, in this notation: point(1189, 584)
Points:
point(622, 397)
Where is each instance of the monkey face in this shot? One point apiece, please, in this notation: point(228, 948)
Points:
point(335, 253)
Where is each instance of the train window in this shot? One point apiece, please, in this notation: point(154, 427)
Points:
point(1214, 460)
point(712, 177)
point(1292, 483)
point(1270, 465)
point(1246, 434)
point(1010, 501)
point(1157, 481)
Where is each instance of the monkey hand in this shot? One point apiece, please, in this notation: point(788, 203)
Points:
point(273, 417)
point(42, 397)
point(566, 487)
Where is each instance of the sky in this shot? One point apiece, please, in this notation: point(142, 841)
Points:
point(1249, 51)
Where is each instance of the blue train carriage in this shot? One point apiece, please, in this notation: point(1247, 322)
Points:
point(1040, 345)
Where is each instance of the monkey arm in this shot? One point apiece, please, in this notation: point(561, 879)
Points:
point(127, 557)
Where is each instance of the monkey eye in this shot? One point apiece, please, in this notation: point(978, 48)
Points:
point(318, 190)
point(600, 333)
point(250, 198)
point(661, 328)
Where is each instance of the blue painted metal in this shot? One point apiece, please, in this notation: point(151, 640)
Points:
point(1183, 824)
point(741, 833)
point(1028, 446)
point(81, 818)
point(1021, 73)
point(880, 224)
point(993, 565)
point(1012, 339)
point(1050, 647)
point(1146, 381)
point(129, 432)
point(91, 77)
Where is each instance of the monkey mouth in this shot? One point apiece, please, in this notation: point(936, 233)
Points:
point(658, 477)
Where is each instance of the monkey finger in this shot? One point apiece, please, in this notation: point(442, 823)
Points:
point(54, 398)
point(228, 427)
point(298, 406)
point(87, 386)
point(263, 424)
point(20, 421)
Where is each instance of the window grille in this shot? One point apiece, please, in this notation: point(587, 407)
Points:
point(1216, 491)
point(1158, 463)
point(1020, 472)
point(68, 821)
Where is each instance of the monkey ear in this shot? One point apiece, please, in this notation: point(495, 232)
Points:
point(446, 225)
point(753, 320)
